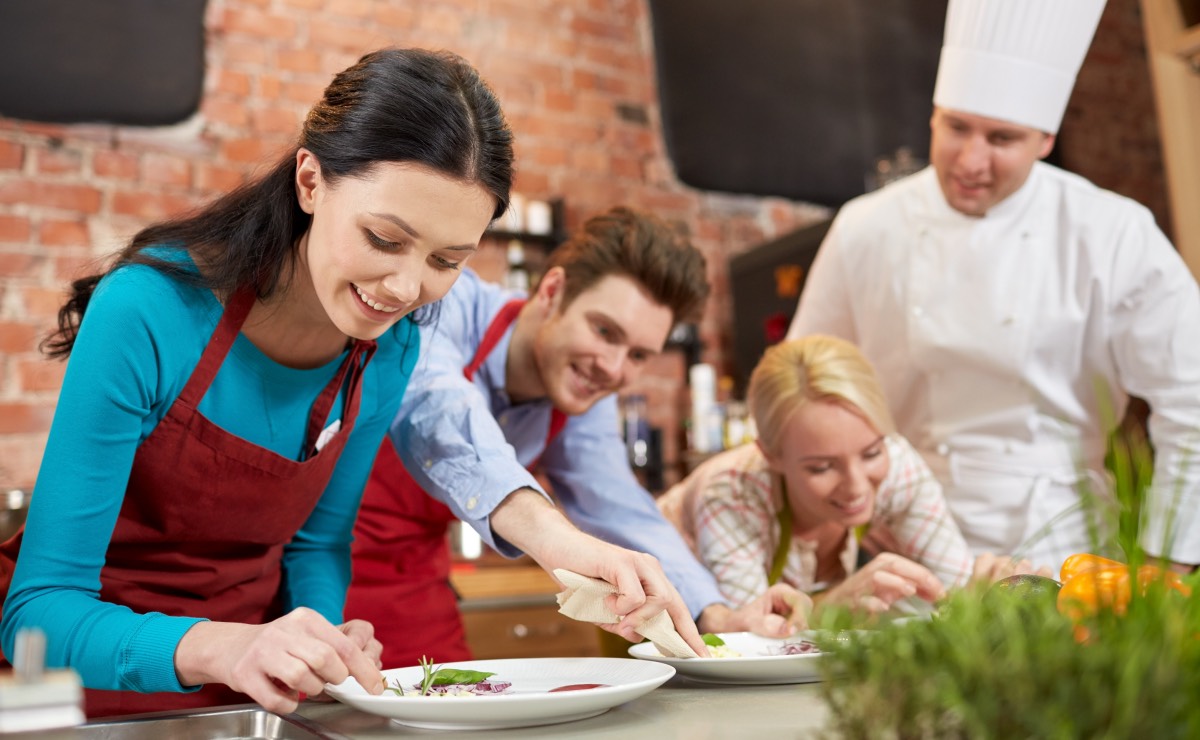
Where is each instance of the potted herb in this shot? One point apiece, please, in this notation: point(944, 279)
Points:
point(1114, 657)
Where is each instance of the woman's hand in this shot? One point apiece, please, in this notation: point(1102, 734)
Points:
point(990, 568)
point(885, 580)
point(274, 663)
point(780, 612)
point(529, 522)
point(362, 633)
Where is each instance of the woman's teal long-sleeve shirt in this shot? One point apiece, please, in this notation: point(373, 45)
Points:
point(139, 341)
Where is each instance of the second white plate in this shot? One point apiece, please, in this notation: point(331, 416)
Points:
point(757, 665)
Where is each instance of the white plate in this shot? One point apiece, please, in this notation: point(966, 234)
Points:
point(527, 703)
point(756, 666)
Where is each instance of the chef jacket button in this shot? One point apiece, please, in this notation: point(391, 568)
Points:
point(428, 464)
point(1009, 319)
point(943, 449)
point(472, 502)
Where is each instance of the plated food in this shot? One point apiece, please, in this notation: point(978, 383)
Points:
point(536, 691)
point(746, 658)
point(718, 649)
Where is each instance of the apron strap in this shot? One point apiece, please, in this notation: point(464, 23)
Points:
point(784, 517)
point(779, 560)
point(237, 308)
point(491, 337)
point(495, 331)
point(348, 379)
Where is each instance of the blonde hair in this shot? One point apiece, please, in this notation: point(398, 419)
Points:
point(813, 368)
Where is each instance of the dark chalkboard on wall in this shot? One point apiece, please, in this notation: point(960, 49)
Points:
point(137, 62)
point(794, 98)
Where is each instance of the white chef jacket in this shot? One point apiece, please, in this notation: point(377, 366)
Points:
point(1007, 346)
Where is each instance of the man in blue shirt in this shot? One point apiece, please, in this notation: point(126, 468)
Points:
point(506, 386)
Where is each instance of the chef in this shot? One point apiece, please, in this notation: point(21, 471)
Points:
point(1012, 308)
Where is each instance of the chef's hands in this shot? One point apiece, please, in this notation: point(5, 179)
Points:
point(886, 579)
point(780, 612)
point(275, 662)
point(990, 568)
point(530, 523)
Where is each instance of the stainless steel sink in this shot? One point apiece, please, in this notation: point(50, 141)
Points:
point(249, 722)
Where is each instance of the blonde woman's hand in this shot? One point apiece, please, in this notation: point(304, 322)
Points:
point(779, 612)
point(990, 568)
point(274, 663)
point(883, 581)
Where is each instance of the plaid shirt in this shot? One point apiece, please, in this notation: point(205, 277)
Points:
point(727, 508)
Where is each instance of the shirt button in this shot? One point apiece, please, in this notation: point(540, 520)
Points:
point(943, 449)
point(472, 503)
point(428, 464)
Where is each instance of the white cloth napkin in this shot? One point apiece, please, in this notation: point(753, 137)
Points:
point(583, 599)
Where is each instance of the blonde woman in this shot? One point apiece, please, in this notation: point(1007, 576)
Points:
point(827, 470)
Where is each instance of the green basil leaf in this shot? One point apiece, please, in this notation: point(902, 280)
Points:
point(712, 640)
point(447, 676)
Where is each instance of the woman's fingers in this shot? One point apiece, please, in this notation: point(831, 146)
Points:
point(794, 606)
point(925, 584)
point(362, 634)
point(270, 694)
point(984, 568)
point(873, 604)
point(890, 588)
point(303, 651)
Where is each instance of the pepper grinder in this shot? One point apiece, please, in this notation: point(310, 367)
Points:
point(32, 698)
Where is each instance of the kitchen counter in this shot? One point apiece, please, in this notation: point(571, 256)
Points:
point(680, 709)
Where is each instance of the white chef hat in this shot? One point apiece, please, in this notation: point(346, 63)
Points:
point(1014, 60)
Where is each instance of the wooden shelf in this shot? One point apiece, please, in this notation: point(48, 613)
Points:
point(549, 240)
point(501, 581)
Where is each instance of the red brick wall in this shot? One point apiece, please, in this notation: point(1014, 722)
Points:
point(69, 195)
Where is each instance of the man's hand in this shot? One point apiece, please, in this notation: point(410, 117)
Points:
point(779, 612)
point(530, 523)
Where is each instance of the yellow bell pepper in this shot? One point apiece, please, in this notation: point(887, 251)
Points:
point(1084, 562)
point(1091, 583)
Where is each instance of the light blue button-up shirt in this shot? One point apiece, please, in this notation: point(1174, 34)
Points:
point(468, 445)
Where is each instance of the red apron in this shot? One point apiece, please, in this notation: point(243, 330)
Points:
point(401, 581)
point(206, 515)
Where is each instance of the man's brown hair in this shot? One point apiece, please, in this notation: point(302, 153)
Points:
point(640, 246)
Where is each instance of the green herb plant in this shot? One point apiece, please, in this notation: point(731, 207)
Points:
point(1015, 667)
point(440, 677)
